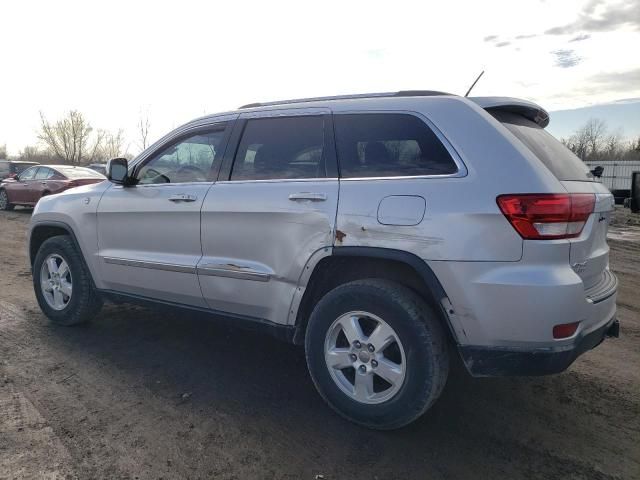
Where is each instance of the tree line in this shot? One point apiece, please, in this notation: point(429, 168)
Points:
point(594, 141)
point(72, 140)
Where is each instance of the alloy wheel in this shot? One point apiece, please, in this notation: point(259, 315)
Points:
point(56, 282)
point(365, 357)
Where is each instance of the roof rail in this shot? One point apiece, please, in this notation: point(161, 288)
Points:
point(403, 93)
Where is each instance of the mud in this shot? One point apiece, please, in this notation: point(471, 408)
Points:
point(144, 393)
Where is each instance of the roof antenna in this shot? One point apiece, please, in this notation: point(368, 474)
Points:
point(474, 84)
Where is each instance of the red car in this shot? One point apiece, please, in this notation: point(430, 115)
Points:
point(36, 182)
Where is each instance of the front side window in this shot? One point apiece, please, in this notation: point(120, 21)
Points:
point(389, 145)
point(193, 159)
point(280, 148)
point(28, 174)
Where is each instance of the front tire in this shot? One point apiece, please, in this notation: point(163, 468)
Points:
point(4, 201)
point(62, 283)
point(376, 353)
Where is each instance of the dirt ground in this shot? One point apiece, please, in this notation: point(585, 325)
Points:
point(143, 393)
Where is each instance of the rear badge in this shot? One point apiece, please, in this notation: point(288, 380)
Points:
point(579, 267)
point(87, 200)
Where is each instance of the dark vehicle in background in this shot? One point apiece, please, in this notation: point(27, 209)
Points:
point(11, 168)
point(41, 180)
point(98, 167)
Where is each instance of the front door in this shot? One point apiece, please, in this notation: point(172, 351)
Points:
point(20, 191)
point(273, 206)
point(149, 234)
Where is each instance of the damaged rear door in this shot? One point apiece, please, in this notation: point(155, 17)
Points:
point(272, 207)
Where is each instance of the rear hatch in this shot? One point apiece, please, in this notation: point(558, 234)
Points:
point(589, 252)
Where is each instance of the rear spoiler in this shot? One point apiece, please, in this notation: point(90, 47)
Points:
point(525, 108)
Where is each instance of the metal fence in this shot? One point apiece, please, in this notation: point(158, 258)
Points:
point(617, 173)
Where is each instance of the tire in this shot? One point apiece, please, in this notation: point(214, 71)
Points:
point(4, 201)
point(420, 339)
point(83, 303)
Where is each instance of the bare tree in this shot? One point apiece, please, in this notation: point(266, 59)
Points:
point(613, 146)
point(143, 130)
point(69, 138)
point(595, 132)
point(590, 140)
point(3, 151)
point(31, 153)
point(113, 145)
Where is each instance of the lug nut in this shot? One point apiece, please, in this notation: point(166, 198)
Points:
point(371, 348)
point(374, 363)
point(353, 357)
point(362, 369)
point(357, 344)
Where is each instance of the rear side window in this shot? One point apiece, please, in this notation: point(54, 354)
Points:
point(281, 148)
point(555, 156)
point(389, 145)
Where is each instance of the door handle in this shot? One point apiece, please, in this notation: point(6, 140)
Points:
point(43, 183)
point(313, 197)
point(182, 197)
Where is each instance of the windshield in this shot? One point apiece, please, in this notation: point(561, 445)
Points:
point(79, 172)
point(555, 156)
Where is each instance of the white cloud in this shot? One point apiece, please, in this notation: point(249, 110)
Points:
point(183, 59)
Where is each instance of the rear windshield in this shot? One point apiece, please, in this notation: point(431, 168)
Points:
point(555, 156)
point(79, 172)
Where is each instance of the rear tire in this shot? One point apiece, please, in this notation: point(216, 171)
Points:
point(4, 201)
point(411, 364)
point(62, 283)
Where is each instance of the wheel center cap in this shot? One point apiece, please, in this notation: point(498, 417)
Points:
point(364, 356)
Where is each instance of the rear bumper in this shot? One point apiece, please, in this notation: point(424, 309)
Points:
point(504, 361)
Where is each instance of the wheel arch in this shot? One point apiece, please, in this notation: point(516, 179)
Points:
point(346, 264)
point(42, 231)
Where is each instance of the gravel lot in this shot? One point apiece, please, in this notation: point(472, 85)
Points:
point(143, 393)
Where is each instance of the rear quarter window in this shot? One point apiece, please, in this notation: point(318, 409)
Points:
point(389, 145)
point(553, 154)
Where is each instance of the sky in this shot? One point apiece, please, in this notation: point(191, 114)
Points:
point(175, 61)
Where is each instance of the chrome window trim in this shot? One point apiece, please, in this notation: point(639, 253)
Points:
point(280, 180)
point(168, 267)
point(460, 165)
point(174, 185)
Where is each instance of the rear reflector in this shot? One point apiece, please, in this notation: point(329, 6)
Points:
point(547, 216)
point(565, 330)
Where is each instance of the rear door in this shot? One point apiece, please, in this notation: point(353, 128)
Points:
point(39, 185)
point(273, 206)
point(149, 234)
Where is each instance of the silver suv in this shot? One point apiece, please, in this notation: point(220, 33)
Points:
point(387, 233)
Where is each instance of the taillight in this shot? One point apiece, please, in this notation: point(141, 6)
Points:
point(565, 330)
point(547, 216)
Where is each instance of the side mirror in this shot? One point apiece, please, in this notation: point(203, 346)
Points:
point(598, 171)
point(118, 171)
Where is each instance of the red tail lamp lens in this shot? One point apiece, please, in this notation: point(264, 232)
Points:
point(565, 330)
point(547, 216)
